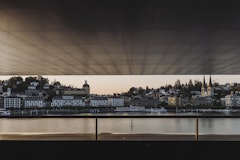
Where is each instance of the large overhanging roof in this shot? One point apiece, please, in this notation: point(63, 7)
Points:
point(118, 37)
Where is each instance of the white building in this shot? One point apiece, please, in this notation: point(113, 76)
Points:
point(115, 101)
point(232, 100)
point(32, 102)
point(31, 87)
point(99, 102)
point(12, 102)
point(67, 100)
point(34, 84)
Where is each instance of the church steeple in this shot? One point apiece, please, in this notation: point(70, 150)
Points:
point(204, 80)
point(204, 83)
point(210, 82)
point(210, 88)
point(204, 89)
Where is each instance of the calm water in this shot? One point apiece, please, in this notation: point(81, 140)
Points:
point(120, 125)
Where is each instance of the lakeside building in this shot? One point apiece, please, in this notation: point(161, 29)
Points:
point(206, 95)
point(99, 101)
point(12, 102)
point(201, 101)
point(232, 100)
point(144, 101)
point(115, 101)
point(67, 100)
point(30, 102)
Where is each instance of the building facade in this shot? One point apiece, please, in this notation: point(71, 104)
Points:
point(34, 102)
point(12, 102)
point(67, 100)
point(232, 100)
point(115, 101)
point(99, 101)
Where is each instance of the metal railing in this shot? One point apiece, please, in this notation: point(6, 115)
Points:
point(99, 116)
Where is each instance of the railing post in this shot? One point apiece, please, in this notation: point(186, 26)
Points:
point(196, 128)
point(96, 129)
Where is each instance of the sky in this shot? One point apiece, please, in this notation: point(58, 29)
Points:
point(110, 84)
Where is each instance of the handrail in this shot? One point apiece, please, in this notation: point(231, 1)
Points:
point(125, 116)
point(99, 116)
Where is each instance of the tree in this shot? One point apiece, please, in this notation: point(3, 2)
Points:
point(30, 79)
point(198, 85)
point(162, 87)
point(168, 86)
point(190, 84)
point(131, 90)
point(140, 90)
point(147, 89)
point(15, 80)
point(16, 84)
point(56, 83)
point(42, 82)
point(177, 85)
point(51, 93)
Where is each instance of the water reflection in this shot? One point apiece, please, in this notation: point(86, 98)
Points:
point(171, 126)
point(219, 126)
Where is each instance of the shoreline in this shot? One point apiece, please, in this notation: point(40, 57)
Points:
point(117, 137)
point(69, 112)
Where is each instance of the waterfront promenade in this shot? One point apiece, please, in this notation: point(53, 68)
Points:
point(70, 134)
point(92, 110)
point(115, 137)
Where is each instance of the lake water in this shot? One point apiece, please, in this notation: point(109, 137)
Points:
point(173, 126)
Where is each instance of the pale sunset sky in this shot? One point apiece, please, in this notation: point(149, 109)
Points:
point(109, 84)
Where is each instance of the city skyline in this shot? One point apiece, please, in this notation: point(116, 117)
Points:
point(110, 84)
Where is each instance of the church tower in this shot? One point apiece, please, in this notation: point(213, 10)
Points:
point(207, 90)
point(86, 88)
point(210, 89)
point(204, 89)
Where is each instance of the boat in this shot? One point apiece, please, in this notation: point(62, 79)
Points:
point(158, 110)
point(226, 110)
point(122, 109)
point(130, 109)
point(4, 112)
point(137, 108)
